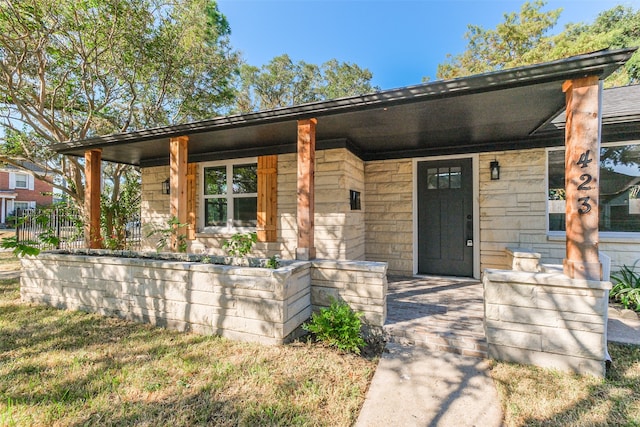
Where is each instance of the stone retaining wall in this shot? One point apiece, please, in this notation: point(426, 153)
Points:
point(243, 303)
point(546, 319)
point(362, 284)
point(249, 304)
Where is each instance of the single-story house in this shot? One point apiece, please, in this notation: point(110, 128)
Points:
point(443, 178)
point(433, 179)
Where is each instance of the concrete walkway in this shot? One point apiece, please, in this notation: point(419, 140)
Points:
point(416, 386)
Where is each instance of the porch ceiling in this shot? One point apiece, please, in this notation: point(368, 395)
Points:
point(500, 110)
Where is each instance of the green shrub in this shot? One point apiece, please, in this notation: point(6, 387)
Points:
point(626, 287)
point(338, 326)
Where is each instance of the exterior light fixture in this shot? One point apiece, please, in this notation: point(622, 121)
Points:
point(166, 186)
point(495, 170)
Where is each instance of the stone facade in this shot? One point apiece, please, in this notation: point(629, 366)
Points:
point(546, 319)
point(339, 231)
point(512, 211)
point(389, 214)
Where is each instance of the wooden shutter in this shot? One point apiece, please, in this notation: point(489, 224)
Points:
point(267, 198)
point(191, 201)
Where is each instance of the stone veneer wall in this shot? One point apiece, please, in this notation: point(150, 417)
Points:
point(339, 231)
point(513, 213)
point(389, 214)
point(243, 303)
point(154, 206)
point(546, 319)
point(362, 284)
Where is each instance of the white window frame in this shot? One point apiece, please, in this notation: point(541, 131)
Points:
point(604, 236)
point(230, 196)
point(13, 181)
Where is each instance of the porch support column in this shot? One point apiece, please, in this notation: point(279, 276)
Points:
point(92, 172)
point(178, 183)
point(582, 177)
point(306, 189)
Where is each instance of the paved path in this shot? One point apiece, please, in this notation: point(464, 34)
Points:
point(624, 329)
point(415, 386)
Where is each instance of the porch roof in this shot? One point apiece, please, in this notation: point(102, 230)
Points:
point(502, 110)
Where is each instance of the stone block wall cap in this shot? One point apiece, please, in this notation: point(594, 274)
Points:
point(369, 266)
point(543, 279)
point(522, 253)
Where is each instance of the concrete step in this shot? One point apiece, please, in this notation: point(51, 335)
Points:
point(451, 341)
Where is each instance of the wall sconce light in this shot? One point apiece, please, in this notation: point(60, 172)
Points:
point(495, 170)
point(166, 186)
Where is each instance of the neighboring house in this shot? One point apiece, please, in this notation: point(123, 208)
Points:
point(402, 176)
point(19, 189)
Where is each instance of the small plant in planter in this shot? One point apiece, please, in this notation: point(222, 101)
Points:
point(273, 262)
point(626, 287)
point(338, 326)
point(239, 245)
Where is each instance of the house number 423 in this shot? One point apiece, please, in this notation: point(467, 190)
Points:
point(585, 180)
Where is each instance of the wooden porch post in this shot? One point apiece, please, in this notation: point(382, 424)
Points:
point(178, 180)
point(92, 172)
point(306, 189)
point(582, 177)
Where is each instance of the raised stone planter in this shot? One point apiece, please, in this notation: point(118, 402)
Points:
point(244, 303)
point(546, 319)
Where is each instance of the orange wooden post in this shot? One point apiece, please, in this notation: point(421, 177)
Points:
point(267, 198)
point(306, 189)
point(582, 177)
point(92, 172)
point(178, 179)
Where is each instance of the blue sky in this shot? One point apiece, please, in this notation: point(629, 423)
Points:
point(398, 41)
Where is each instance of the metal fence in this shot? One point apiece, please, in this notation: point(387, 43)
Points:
point(63, 228)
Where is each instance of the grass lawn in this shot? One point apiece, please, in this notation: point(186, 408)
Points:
point(541, 397)
point(8, 261)
point(66, 368)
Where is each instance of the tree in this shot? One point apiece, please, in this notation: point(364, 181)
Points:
point(72, 69)
point(524, 39)
point(509, 45)
point(282, 83)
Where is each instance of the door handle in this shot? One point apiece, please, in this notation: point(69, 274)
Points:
point(469, 230)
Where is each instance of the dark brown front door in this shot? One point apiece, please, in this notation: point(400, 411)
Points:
point(445, 218)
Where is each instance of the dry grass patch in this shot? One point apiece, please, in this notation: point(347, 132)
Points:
point(534, 396)
point(9, 262)
point(67, 368)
